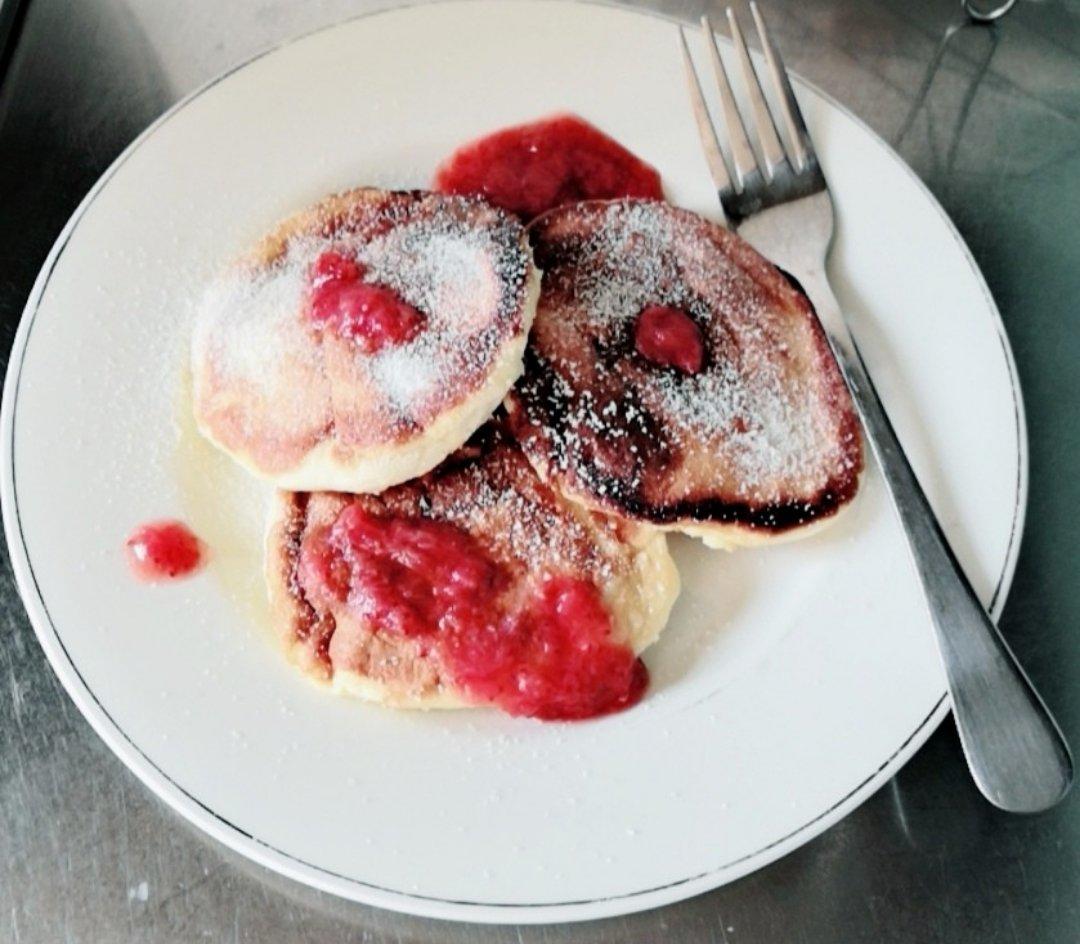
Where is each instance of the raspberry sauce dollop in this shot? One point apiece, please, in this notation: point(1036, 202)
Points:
point(371, 315)
point(669, 337)
point(530, 168)
point(549, 656)
point(163, 550)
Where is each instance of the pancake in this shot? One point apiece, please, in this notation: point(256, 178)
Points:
point(364, 339)
point(474, 585)
point(678, 378)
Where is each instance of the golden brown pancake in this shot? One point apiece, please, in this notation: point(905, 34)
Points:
point(753, 438)
point(306, 395)
point(330, 564)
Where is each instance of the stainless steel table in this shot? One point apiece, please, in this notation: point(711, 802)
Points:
point(990, 118)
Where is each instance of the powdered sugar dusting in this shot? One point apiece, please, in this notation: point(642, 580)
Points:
point(247, 321)
point(534, 527)
point(405, 374)
point(490, 490)
point(759, 423)
point(459, 262)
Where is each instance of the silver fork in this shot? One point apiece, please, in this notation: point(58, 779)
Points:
point(781, 205)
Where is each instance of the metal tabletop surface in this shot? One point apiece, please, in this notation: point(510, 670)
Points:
point(988, 117)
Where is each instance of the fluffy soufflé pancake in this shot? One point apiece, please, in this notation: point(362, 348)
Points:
point(677, 377)
point(364, 339)
point(476, 584)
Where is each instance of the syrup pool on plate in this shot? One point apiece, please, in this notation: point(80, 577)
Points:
point(530, 168)
point(164, 550)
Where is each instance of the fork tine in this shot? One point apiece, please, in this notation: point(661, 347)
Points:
point(741, 152)
point(714, 157)
point(801, 145)
point(771, 148)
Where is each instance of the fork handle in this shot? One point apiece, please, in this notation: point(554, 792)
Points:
point(1014, 748)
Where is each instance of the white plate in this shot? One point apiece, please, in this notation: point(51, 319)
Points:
point(792, 681)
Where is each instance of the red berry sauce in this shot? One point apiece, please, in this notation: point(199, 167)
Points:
point(551, 657)
point(554, 661)
point(669, 337)
point(531, 168)
point(163, 550)
point(373, 316)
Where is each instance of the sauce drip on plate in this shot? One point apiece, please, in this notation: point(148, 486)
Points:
point(163, 550)
point(530, 168)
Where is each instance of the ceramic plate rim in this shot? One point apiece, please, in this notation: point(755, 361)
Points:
point(248, 845)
